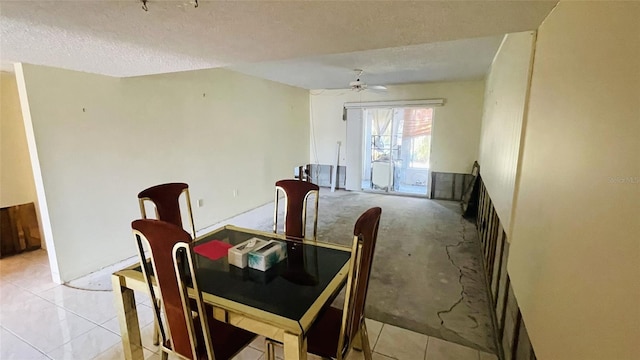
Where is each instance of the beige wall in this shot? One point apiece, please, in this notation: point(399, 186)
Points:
point(456, 128)
point(504, 104)
point(101, 140)
point(16, 178)
point(575, 255)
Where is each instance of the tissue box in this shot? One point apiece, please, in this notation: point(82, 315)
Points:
point(238, 254)
point(268, 255)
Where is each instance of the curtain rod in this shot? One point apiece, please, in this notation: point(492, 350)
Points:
point(398, 103)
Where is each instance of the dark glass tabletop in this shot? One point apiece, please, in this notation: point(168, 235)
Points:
point(287, 289)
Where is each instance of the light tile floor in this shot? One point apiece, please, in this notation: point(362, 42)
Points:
point(43, 320)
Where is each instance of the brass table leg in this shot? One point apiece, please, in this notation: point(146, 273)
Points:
point(125, 303)
point(295, 347)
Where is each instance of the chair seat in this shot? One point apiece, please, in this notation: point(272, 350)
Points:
point(227, 339)
point(322, 339)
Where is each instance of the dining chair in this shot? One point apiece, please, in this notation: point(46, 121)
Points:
point(296, 197)
point(171, 264)
point(336, 331)
point(166, 200)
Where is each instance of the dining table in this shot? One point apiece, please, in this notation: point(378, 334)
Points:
point(280, 303)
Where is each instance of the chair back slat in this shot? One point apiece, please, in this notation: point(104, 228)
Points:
point(296, 193)
point(166, 197)
point(365, 234)
point(161, 238)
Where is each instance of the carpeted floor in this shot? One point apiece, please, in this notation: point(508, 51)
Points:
point(427, 272)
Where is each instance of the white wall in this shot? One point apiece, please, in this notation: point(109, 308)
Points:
point(574, 261)
point(504, 106)
point(101, 140)
point(16, 179)
point(456, 128)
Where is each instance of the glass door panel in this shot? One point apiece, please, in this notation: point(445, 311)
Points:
point(397, 145)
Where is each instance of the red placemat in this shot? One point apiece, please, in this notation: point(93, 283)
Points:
point(214, 249)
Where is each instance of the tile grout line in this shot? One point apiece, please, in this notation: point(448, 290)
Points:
point(77, 337)
point(31, 291)
point(52, 302)
point(73, 312)
point(109, 330)
point(104, 352)
point(378, 337)
point(25, 341)
point(426, 349)
point(70, 311)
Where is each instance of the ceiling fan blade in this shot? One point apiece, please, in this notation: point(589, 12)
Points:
point(380, 88)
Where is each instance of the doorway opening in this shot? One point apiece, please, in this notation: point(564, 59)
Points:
point(396, 150)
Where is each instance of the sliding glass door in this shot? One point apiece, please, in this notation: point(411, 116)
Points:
point(396, 149)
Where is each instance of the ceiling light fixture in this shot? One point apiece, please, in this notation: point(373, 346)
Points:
point(146, 8)
point(360, 85)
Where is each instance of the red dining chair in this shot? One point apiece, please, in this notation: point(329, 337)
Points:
point(166, 200)
point(296, 197)
point(336, 330)
point(171, 256)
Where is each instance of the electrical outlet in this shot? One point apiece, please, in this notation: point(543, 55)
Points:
point(200, 202)
point(235, 192)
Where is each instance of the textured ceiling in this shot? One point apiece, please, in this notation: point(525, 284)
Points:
point(444, 61)
point(118, 38)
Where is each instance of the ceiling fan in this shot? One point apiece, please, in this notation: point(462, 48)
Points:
point(359, 85)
